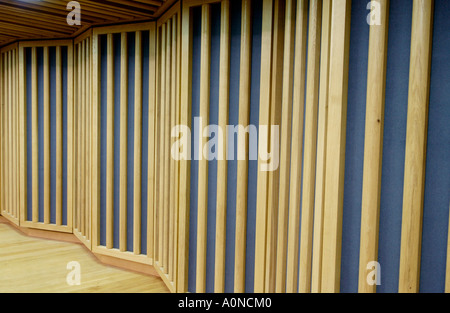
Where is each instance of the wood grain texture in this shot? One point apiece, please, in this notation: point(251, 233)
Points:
point(285, 149)
point(59, 132)
point(52, 257)
point(34, 134)
point(46, 143)
point(310, 142)
point(373, 146)
point(110, 144)
point(166, 151)
point(161, 143)
point(264, 119)
point(297, 145)
point(185, 118)
point(151, 141)
point(221, 201)
point(123, 141)
point(275, 121)
point(95, 166)
point(316, 271)
point(416, 143)
point(205, 72)
point(242, 163)
point(337, 120)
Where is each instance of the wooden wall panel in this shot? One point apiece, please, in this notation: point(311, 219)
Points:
point(299, 205)
point(128, 45)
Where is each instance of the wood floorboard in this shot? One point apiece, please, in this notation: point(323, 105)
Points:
point(32, 265)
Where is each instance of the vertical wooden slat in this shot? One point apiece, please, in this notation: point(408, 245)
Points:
point(4, 128)
point(17, 139)
point(373, 146)
point(316, 271)
point(34, 134)
point(85, 139)
point(82, 132)
point(264, 120)
point(88, 139)
point(285, 151)
point(10, 136)
point(17, 127)
point(137, 144)
point(10, 140)
point(9, 149)
point(297, 145)
point(205, 65)
point(177, 173)
point(95, 166)
point(275, 121)
point(166, 138)
point(123, 140)
point(2, 89)
point(310, 141)
point(156, 154)
point(46, 127)
point(78, 142)
point(110, 145)
point(14, 134)
point(173, 111)
point(2, 162)
point(59, 132)
point(74, 134)
point(185, 117)
point(151, 140)
point(9, 130)
point(5, 140)
point(161, 145)
point(221, 203)
point(70, 135)
point(337, 110)
point(1, 133)
point(242, 165)
point(416, 145)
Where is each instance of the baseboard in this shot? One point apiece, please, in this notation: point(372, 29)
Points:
point(127, 264)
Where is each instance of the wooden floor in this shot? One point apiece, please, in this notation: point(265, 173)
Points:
point(30, 265)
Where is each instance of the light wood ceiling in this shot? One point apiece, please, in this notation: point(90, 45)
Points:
point(44, 19)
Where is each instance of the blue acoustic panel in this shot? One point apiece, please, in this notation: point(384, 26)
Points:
point(145, 134)
point(130, 167)
point(64, 134)
point(196, 17)
point(40, 70)
point(354, 150)
point(52, 61)
point(437, 179)
point(29, 136)
point(117, 70)
point(397, 78)
point(212, 165)
point(103, 91)
point(253, 164)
